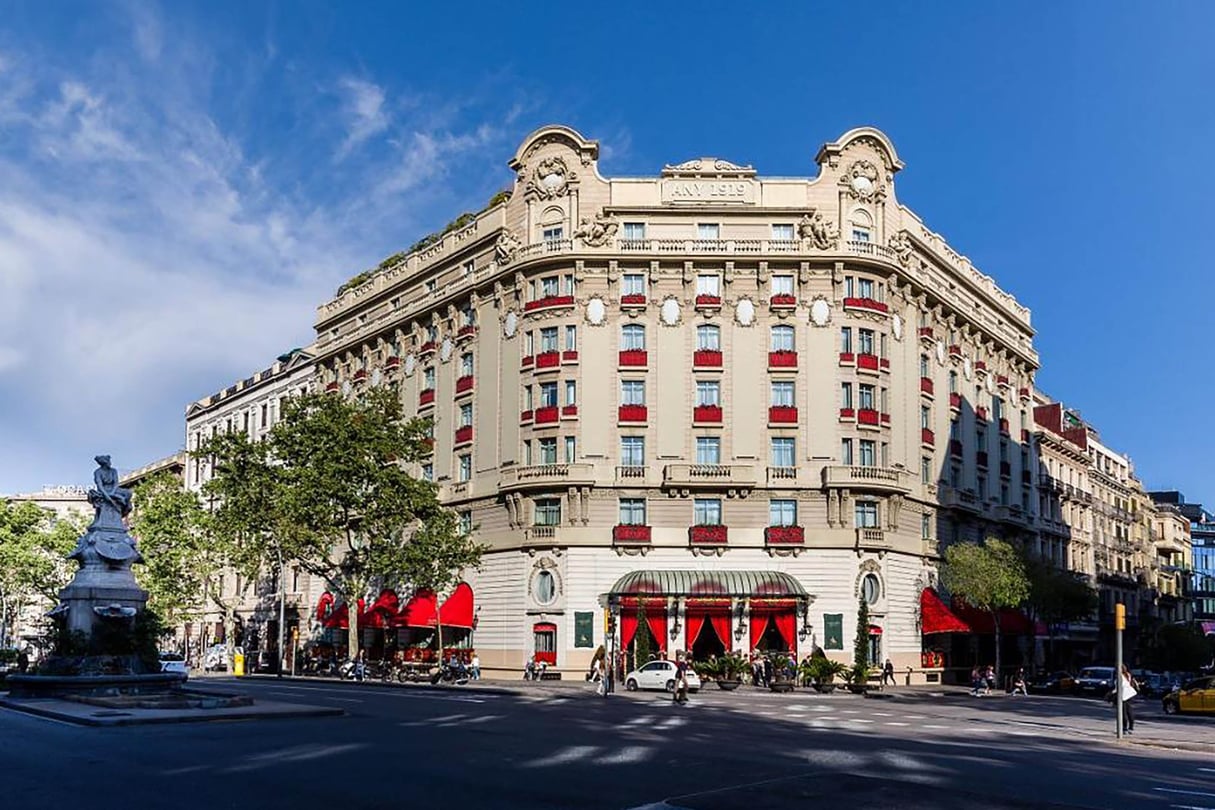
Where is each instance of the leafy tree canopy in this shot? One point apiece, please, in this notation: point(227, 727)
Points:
point(167, 522)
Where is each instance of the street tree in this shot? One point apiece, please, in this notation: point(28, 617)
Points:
point(344, 505)
point(34, 545)
point(1057, 596)
point(167, 522)
point(860, 647)
point(988, 577)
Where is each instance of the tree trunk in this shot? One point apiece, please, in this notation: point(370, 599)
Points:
point(995, 616)
point(439, 635)
point(352, 637)
point(230, 638)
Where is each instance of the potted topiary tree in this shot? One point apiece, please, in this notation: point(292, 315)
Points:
point(781, 680)
point(822, 672)
point(858, 679)
point(729, 670)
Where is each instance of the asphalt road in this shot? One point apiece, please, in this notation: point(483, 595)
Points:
point(567, 748)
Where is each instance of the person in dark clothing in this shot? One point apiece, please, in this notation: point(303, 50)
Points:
point(888, 672)
point(681, 679)
point(767, 670)
point(23, 661)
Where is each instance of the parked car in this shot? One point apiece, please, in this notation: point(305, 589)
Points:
point(659, 675)
point(1196, 697)
point(174, 662)
point(1053, 683)
point(1095, 681)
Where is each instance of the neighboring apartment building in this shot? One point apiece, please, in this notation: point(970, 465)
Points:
point(252, 405)
point(175, 465)
point(1202, 537)
point(739, 403)
point(1169, 572)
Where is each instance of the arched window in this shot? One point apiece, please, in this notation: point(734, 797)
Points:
point(632, 336)
point(862, 226)
point(782, 338)
point(708, 336)
point(871, 589)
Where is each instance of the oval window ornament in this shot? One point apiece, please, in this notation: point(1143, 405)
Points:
point(670, 312)
point(820, 312)
point(509, 324)
point(744, 312)
point(595, 311)
point(897, 325)
point(445, 350)
point(410, 364)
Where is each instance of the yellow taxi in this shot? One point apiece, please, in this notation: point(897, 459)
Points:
point(1194, 697)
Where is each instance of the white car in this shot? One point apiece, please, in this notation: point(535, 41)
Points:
point(172, 662)
point(659, 675)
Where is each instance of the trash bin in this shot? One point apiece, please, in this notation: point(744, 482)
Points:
point(238, 664)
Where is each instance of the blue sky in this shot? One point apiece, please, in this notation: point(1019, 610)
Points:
point(181, 184)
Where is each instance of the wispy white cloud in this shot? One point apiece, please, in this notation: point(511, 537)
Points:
point(363, 106)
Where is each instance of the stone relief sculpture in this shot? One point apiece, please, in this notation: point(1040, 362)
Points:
point(507, 247)
point(550, 178)
point(814, 229)
point(901, 246)
point(599, 231)
point(861, 178)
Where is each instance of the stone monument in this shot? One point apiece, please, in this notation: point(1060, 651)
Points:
point(104, 588)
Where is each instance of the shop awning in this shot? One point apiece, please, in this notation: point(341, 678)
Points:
point(935, 617)
point(735, 584)
point(419, 611)
point(456, 611)
point(1012, 622)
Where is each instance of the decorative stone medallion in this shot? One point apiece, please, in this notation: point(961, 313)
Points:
point(346, 387)
point(990, 384)
point(596, 311)
point(941, 352)
point(744, 312)
point(376, 377)
point(410, 364)
point(897, 326)
point(670, 312)
point(445, 350)
point(820, 312)
point(509, 324)
point(967, 368)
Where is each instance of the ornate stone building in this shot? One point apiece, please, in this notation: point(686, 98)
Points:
point(726, 406)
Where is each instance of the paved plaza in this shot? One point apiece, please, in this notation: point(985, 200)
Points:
point(560, 746)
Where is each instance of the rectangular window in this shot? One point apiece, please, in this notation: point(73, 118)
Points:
point(846, 340)
point(466, 414)
point(571, 392)
point(708, 450)
point(982, 487)
point(465, 467)
point(864, 288)
point(554, 234)
point(706, 512)
point(634, 231)
point(527, 398)
point(548, 395)
point(866, 514)
point(632, 392)
point(868, 453)
point(953, 382)
point(428, 472)
point(783, 452)
point(469, 316)
point(428, 377)
point(548, 339)
point(571, 450)
point(431, 285)
point(571, 338)
point(708, 285)
point(632, 337)
point(782, 513)
point(849, 286)
point(633, 284)
point(782, 394)
point(924, 365)
point(846, 452)
point(926, 470)
point(926, 526)
point(548, 450)
point(708, 230)
point(469, 269)
point(632, 451)
point(632, 511)
point(866, 336)
point(782, 232)
point(846, 395)
point(527, 452)
point(884, 402)
point(708, 338)
point(925, 417)
point(466, 524)
point(782, 285)
point(548, 511)
point(529, 344)
point(264, 409)
point(782, 338)
point(466, 365)
point(708, 392)
point(866, 402)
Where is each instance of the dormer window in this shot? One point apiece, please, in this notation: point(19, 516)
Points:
point(708, 230)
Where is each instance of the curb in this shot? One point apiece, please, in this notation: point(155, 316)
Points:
point(377, 684)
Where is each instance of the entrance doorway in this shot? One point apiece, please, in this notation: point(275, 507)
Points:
point(707, 642)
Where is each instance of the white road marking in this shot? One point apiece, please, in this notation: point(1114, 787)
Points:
point(1186, 792)
point(889, 723)
point(881, 714)
point(633, 753)
point(345, 700)
point(936, 727)
point(915, 716)
point(566, 755)
point(430, 721)
point(1191, 807)
point(672, 722)
point(1207, 770)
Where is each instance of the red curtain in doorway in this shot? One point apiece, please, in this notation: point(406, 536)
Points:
point(628, 629)
point(786, 625)
point(696, 621)
point(658, 626)
point(720, 622)
point(759, 623)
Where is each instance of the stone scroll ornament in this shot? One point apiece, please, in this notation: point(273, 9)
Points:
point(817, 232)
point(599, 231)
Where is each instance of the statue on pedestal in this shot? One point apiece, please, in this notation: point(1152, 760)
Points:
point(106, 540)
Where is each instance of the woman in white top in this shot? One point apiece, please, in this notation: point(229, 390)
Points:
point(1126, 689)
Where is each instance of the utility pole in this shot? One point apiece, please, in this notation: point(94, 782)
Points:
point(1119, 626)
point(282, 610)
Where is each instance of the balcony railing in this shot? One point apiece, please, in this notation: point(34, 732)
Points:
point(708, 301)
point(847, 359)
point(981, 458)
point(981, 412)
point(392, 363)
point(428, 347)
point(955, 352)
point(980, 367)
point(783, 301)
point(784, 535)
point(546, 475)
point(464, 434)
point(866, 305)
point(886, 479)
point(547, 415)
point(426, 397)
point(549, 359)
point(869, 537)
point(1024, 395)
point(926, 385)
point(782, 415)
point(631, 472)
point(927, 437)
point(706, 358)
point(332, 387)
point(629, 533)
point(1004, 426)
point(467, 330)
point(707, 414)
point(1005, 469)
point(959, 499)
point(569, 356)
point(633, 413)
point(782, 476)
point(527, 416)
point(927, 334)
point(867, 362)
point(868, 416)
point(527, 361)
point(633, 300)
point(569, 411)
point(709, 475)
point(955, 447)
point(634, 358)
point(708, 535)
point(549, 302)
point(955, 401)
point(464, 383)
point(782, 358)
point(847, 414)
point(360, 375)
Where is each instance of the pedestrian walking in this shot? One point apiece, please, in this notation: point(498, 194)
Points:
point(597, 676)
point(360, 666)
point(1018, 683)
point(680, 695)
point(1127, 690)
point(989, 680)
point(976, 682)
point(475, 667)
point(888, 672)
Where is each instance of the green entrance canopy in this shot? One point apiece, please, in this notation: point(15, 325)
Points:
point(740, 584)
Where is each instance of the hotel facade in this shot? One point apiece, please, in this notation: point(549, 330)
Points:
point(709, 407)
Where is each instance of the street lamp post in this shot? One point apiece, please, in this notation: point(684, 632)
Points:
point(1119, 626)
point(282, 610)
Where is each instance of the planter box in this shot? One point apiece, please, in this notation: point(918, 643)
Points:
point(824, 688)
point(728, 686)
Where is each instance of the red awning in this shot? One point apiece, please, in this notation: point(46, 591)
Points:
point(874, 630)
point(339, 618)
point(1012, 622)
point(419, 611)
point(457, 610)
point(936, 618)
point(323, 606)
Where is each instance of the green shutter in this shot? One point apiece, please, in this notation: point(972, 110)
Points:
point(833, 631)
point(584, 628)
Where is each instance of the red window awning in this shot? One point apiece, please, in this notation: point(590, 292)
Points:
point(935, 617)
point(874, 630)
point(419, 611)
point(1012, 622)
point(457, 610)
